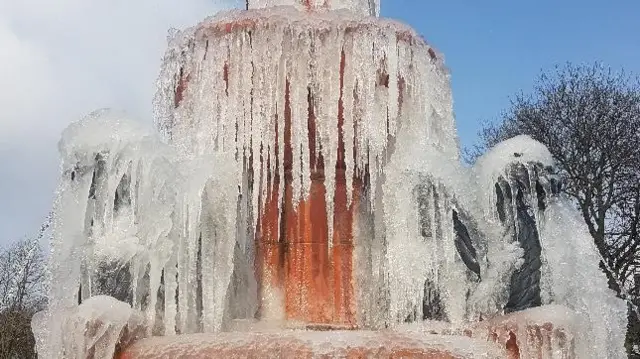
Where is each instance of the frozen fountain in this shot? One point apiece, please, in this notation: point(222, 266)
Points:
point(304, 198)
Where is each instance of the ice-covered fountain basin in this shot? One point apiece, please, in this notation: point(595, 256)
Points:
point(545, 332)
point(310, 344)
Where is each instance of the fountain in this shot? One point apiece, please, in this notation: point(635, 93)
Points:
point(305, 198)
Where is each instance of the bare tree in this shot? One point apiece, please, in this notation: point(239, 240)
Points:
point(589, 118)
point(22, 271)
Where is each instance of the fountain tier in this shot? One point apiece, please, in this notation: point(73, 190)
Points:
point(311, 105)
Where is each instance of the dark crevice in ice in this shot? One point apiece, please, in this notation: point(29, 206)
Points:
point(98, 174)
point(158, 328)
point(122, 198)
point(143, 290)
point(199, 292)
point(517, 217)
point(542, 196)
point(432, 307)
point(113, 279)
point(464, 245)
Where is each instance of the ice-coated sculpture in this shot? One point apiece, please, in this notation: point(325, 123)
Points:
point(306, 175)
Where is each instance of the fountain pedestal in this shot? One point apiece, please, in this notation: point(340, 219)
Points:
point(304, 244)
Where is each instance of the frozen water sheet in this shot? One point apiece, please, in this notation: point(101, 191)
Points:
point(574, 279)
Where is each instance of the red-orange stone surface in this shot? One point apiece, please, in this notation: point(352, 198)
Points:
point(533, 333)
point(303, 345)
point(314, 275)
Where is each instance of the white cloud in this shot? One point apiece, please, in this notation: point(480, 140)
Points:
point(60, 59)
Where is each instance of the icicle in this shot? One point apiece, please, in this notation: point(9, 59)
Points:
point(393, 90)
point(298, 77)
point(259, 125)
point(329, 58)
point(348, 81)
point(281, 95)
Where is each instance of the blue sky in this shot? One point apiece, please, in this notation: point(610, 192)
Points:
point(495, 49)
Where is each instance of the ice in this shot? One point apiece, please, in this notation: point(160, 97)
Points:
point(330, 73)
point(255, 111)
point(95, 328)
point(365, 7)
point(521, 149)
point(92, 330)
point(575, 280)
point(334, 344)
point(129, 204)
point(306, 69)
point(545, 332)
point(570, 274)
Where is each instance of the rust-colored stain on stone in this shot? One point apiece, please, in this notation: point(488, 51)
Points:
point(512, 347)
point(515, 331)
point(295, 254)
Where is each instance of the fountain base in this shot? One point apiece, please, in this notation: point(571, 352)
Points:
point(312, 344)
point(543, 332)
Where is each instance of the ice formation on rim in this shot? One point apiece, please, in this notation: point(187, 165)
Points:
point(264, 114)
point(363, 7)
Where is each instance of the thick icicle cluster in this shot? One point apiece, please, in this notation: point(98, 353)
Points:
point(235, 89)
